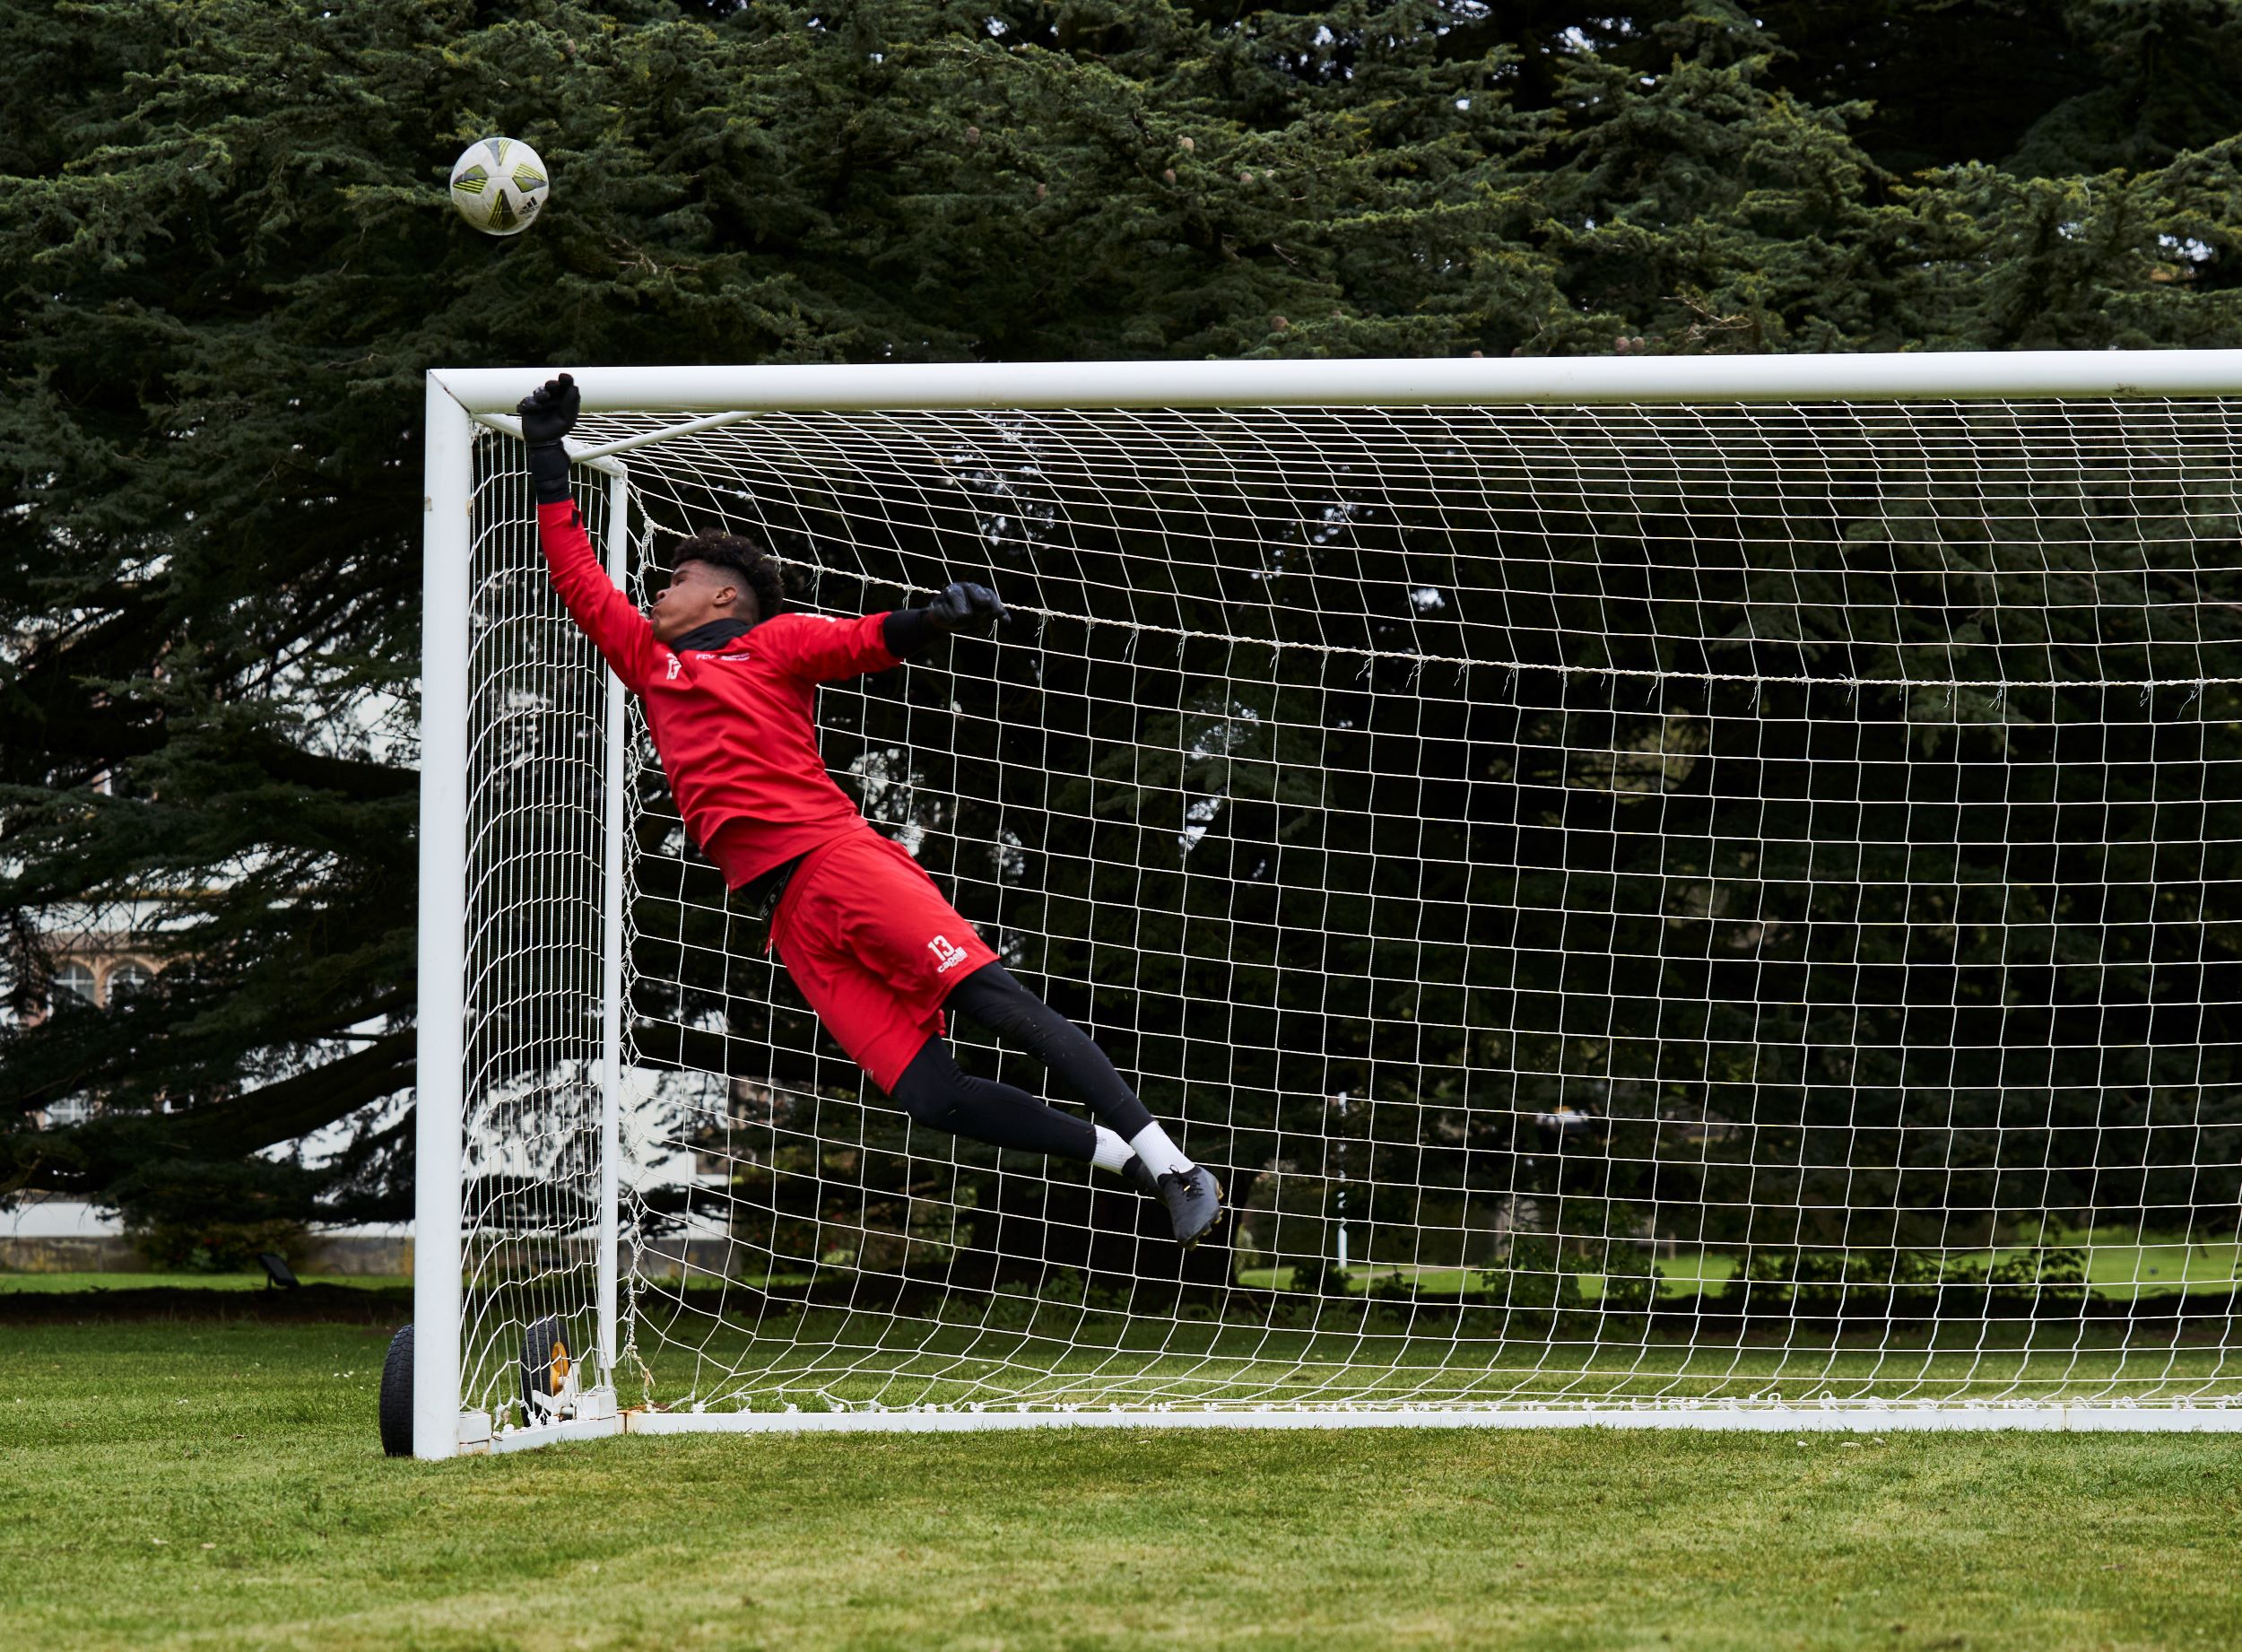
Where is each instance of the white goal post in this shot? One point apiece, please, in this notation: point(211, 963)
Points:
point(1678, 892)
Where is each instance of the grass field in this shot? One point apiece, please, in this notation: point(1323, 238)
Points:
point(2119, 1264)
point(219, 1486)
point(826, 1358)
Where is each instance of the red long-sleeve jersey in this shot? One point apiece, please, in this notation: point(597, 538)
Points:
point(734, 726)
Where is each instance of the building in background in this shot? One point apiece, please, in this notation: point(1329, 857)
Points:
point(100, 958)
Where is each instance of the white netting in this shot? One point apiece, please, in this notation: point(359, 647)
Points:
point(1654, 903)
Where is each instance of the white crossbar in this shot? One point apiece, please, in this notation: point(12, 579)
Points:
point(1464, 381)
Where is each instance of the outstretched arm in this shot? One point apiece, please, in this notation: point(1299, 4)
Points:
point(824, 650)
point(604, 613)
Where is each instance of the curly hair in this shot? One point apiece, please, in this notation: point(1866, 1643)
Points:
point(739, 554)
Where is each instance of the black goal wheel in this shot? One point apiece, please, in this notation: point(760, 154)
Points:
point(546, 1363)
point(396, 1395)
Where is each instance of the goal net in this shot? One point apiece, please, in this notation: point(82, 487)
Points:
point(1709, 910)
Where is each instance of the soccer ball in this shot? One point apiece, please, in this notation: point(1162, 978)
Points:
point(498, 184)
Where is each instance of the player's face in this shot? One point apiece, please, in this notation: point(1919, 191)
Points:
point(696, 595)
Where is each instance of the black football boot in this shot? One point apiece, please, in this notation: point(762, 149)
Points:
point(1195, 1202)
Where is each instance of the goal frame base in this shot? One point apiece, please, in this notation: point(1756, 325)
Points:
point(1739, 1418)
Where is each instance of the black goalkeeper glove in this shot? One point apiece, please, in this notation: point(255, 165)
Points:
point(910, 630)
point(548, 414)
point(961, 604)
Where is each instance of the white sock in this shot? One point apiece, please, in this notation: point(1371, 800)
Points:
point(1111, 1154)
point(1161, 1156)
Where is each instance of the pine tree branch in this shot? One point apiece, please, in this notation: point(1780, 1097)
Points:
point(294, 1106)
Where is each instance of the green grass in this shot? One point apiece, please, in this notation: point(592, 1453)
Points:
point(58, 1283)
point(2120, 1264)
point(827, 1358)
point(218, 1486)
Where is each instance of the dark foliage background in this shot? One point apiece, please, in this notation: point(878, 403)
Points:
point(1849, 881)
point(228, 263)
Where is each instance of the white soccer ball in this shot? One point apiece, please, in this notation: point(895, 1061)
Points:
point(498, 185)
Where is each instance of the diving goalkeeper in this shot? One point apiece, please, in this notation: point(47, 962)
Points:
point(729, 681)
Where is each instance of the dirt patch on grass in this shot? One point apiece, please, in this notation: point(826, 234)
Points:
point(325, 1304)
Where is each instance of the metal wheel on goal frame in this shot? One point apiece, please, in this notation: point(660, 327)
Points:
point(550, 1374)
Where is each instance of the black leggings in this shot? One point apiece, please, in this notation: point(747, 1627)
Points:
point(937, 1093)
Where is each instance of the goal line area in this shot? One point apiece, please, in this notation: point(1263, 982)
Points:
point(1673, 893)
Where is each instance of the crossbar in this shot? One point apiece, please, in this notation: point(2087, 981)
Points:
point(1452, 382)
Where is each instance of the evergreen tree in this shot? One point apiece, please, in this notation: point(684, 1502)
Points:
point(229, 262)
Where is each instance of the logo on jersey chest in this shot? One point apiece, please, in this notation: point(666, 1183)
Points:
point(677, 663)
point(948, 953)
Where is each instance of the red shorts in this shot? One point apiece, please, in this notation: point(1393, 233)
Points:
point(874, 948)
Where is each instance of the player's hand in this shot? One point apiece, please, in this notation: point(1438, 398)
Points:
point(549, 412)
point(963, 604)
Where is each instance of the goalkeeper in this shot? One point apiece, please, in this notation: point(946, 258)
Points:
point(729, 681)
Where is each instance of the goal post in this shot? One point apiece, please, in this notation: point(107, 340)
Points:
point(438, 1061)
point(1679, 891)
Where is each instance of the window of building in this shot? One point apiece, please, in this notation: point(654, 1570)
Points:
point(75, 978)
point(128, 978)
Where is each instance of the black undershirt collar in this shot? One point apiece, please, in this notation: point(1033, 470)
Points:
point(707, 638)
